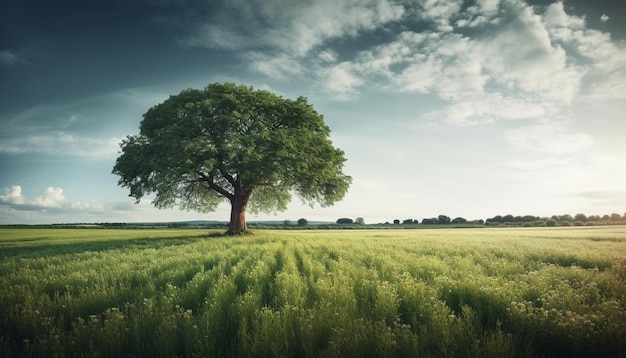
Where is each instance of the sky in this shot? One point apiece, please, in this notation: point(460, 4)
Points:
point(463, 108)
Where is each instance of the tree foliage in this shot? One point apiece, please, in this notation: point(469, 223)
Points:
point(345, 221)
point(228, 142)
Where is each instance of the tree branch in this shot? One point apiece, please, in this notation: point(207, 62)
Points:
point(226, 176)
point(209, 180)
point(224, 172)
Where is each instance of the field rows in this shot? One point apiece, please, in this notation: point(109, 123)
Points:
point(475, 292)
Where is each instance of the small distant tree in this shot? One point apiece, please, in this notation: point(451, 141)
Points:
point(345, 221)
point(430, 221)
point(551, 222)
point(407, 221)
point(360, 221)
point(459, 220)
point(287, 222)
point(396, 221)
point(581, 217)
point(303, 222)
point(529, 218)
point(594, 218)
point(443, 219)
point(495, 219)
point(508, 218)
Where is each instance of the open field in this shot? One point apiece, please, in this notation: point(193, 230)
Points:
point(449, 292)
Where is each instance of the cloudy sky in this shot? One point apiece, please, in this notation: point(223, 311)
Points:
point(463, 108)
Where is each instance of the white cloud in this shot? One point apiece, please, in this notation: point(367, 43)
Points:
point(484, 12)
point(604, 18)
point(522, 56)
point(278, 66)
point(601, 58)
point(53, 206)
point(60, 143)
point(527, 66)
point(518, 61)
point(12, 195)
point(51, 198)
point(290, 26)
point(341, 80)
point(328, 56)
point(439, 12)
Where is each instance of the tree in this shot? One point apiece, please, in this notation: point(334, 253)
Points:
point(359, 221)
point(594, 218)
point(496, 219)
point(345, 221)
point(459, 220)
point(303, 222)
point(529, 218)
point(581, 217)
point(227, 142)
point(443, 219)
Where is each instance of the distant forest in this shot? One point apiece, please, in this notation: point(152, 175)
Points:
point(359, 222)
point(526, 221)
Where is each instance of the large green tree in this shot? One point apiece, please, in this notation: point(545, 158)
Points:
point(229, 142)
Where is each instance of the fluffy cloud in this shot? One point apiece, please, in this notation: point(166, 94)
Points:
point(277, 66)
point(60, 143)
point(51, 198)
point(440, 12)
point(517, 62)
point(294, 27)
point(53, 201)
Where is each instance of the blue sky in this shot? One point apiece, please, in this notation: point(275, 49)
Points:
point(472, 109)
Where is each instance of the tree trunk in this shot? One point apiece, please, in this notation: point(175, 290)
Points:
point(237, 224)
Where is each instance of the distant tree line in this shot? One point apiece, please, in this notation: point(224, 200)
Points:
point(439, 220)
point(510, 220)
point(359, 221)
point(558, 220)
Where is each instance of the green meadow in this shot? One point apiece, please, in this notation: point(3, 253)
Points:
point(525, 292)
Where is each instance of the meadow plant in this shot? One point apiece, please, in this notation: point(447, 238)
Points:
point(522, 292)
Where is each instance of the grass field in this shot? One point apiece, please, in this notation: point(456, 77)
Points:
point(554, 292)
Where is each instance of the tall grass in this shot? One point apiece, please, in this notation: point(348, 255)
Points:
point(425, 293)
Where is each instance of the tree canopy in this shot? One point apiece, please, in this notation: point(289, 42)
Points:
point(232, 142)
